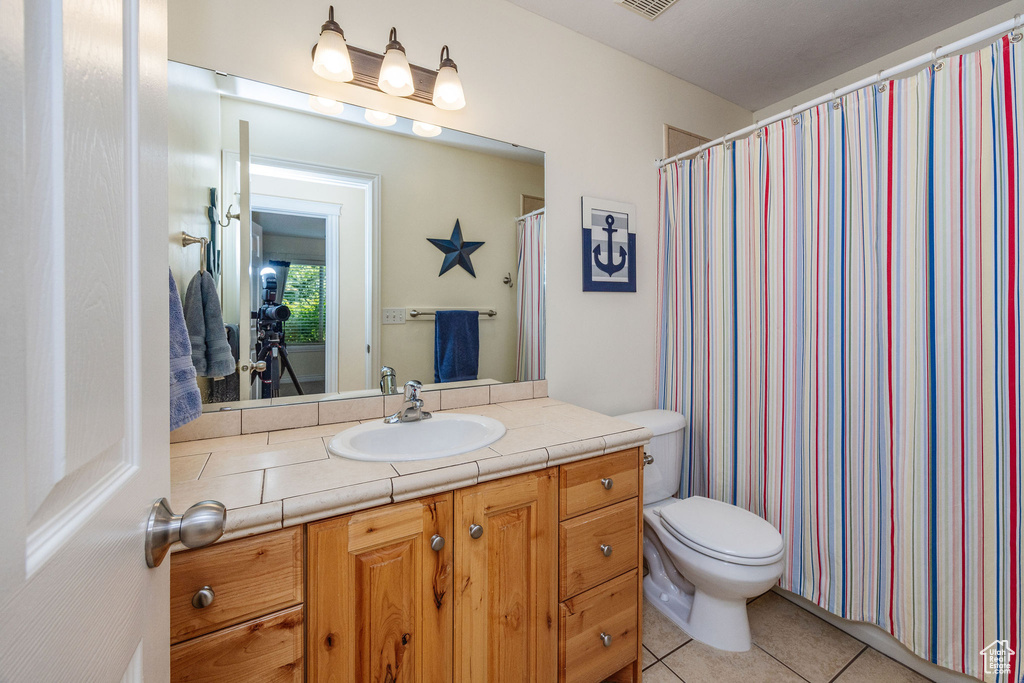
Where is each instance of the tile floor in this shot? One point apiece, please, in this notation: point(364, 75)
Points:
point(790, 645)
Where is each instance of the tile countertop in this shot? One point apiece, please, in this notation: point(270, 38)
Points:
point(271, 480)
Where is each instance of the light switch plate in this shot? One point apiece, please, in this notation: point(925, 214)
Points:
point(394, 316)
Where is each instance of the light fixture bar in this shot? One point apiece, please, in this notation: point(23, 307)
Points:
point(366, 67)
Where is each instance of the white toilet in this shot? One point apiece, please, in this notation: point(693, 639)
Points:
point(705, 557)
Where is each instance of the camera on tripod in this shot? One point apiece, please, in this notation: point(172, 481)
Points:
point(270, 344)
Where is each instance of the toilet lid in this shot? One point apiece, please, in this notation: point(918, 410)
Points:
point(723, 529)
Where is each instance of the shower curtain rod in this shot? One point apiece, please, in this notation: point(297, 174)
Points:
point(1007, 26)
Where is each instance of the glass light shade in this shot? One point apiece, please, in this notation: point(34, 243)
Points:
point(325, 105)
point(425, 130)
point(448, 90)
point(380, 118)
point(331, 60)
point(395, 75)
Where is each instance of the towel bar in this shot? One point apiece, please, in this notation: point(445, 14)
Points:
point(415, 313)
point(187, 239)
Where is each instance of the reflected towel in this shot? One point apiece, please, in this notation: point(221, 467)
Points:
point(186, 403)
point(211, 354)
point(456, 345)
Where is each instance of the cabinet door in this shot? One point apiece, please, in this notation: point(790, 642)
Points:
point(378, 597)
point(506, 623)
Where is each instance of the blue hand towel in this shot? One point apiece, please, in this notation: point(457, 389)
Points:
point(211, 353)
point(186, 403)
point(456, 345)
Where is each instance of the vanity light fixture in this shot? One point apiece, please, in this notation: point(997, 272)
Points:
point(325, 105)
point(330, 55)
point(380, 118)
point(448, 87)
point(425, 130)
point(395, 75)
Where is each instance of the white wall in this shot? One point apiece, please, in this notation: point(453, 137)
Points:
point(597, 113)
point(950, 35)
point(193, 163)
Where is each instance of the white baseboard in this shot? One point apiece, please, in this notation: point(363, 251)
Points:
point(877, 638)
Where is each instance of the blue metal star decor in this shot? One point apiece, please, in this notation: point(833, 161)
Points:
point(456, 250)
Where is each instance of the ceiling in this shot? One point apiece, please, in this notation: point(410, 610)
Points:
point(757, 52)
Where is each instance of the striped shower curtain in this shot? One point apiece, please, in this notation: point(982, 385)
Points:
point(530, 297)
point(840, 323)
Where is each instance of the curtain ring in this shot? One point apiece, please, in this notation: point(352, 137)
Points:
point(938, 66)
point(881, 87)
point(757, 134)
point(728, 145)
point(1016, 36)
point(796, 119)
point(837, 105)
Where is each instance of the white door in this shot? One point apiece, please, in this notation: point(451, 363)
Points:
point(83, 275)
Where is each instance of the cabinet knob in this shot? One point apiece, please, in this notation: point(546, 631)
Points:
point(606, 550)
point(607, 483)
point(606, 639)
point(475, 531)
point(436, 543)
point(203, 597)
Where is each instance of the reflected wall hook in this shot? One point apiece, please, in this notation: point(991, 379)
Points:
point(508, 280)
point(230, 216)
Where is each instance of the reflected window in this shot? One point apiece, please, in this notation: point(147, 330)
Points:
point(305, 296)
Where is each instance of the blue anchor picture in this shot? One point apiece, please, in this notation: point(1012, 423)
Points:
point(610, 266)
point(609, 259)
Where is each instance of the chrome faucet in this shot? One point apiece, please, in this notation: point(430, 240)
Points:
point(388, 380)
point(412, 409)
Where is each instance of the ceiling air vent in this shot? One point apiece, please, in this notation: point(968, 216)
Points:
point(650, 9)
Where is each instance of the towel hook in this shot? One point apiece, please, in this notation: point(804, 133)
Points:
point(187, 239)
point(229, 216)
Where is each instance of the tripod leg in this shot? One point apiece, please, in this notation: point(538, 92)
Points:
point(291, 373)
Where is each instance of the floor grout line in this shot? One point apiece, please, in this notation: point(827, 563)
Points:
point(795, 673)
point(854, 659)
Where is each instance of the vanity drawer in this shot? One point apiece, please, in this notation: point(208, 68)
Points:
point(591, 484)
point(610, 610)
point(249, 578)
point(268, 650)
point(582, 560)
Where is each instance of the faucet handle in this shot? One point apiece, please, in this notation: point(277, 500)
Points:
point(413, 389)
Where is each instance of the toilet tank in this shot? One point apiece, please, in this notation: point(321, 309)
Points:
point(661, 477)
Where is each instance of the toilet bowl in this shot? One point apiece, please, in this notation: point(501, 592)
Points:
point(704, 557)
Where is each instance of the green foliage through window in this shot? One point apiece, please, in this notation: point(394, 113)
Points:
point(304, 295)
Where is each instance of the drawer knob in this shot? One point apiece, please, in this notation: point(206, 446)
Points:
point(606, 639)
point(475, 531)
point(607, 483)
point(436, 542)
point(203, 597)
point(606, 550)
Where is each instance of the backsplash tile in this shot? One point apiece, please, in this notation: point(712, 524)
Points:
point(461, 398)
point(515, 391)
point(351, 409)
point(540, 388)
point(209, 426)
point(279, 417)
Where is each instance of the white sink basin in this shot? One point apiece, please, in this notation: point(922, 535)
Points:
point(442, 435)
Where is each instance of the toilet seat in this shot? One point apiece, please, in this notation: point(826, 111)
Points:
point(722, 531)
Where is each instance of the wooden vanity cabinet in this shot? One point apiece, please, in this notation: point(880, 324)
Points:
point(534, 578)
point(380, 594)
point(506, 624)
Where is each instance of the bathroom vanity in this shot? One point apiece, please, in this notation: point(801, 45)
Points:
point(531, 573)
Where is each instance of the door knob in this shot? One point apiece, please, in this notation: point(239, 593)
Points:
point(648, 459)
point(475, 531)
point(199, 526)
point(606, 639)
point(436, 542)
point(606, 550)
point(203, 597)
point(607, 483)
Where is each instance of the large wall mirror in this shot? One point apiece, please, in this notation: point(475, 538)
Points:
point(326, 209)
